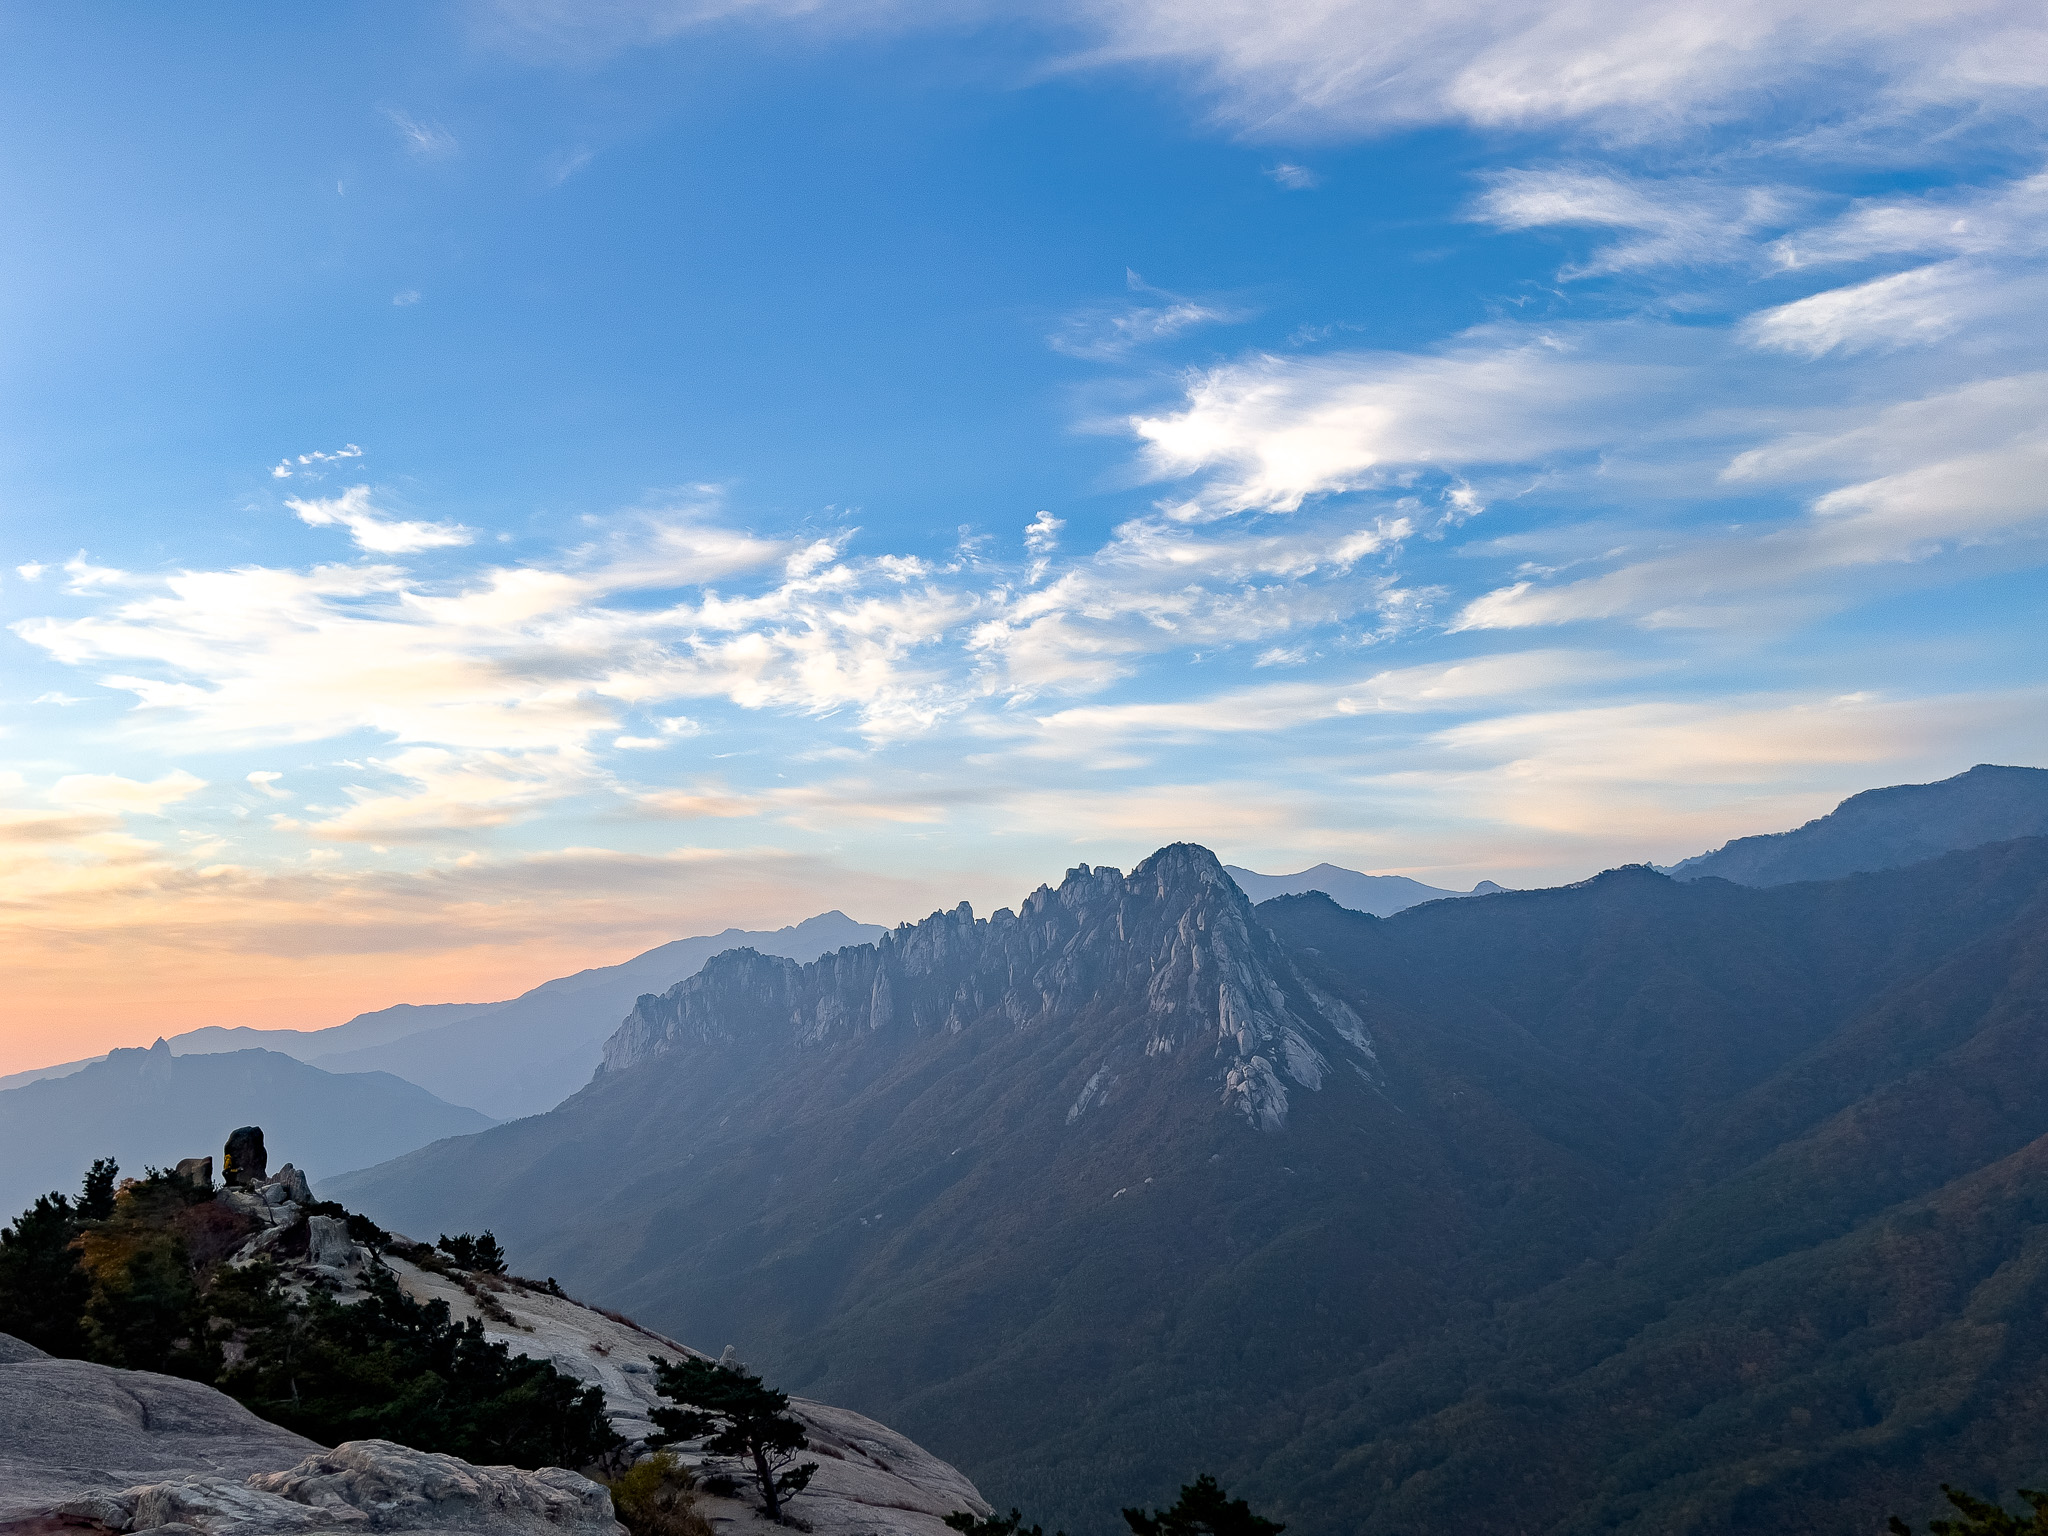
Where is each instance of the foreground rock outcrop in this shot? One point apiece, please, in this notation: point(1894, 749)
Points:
point(86, 1446)
point(69, 1429)
point(363, 1485)
point(871, 1481)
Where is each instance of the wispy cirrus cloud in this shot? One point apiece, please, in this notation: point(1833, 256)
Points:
point(1106, 332)
point(1682, 223)
point(1332, 68)
point(428, 140)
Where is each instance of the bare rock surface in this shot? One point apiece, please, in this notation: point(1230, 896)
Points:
point(362, 1485)
point(871, 1481)
point(69, 1428)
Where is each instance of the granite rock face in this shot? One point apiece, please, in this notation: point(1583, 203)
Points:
point(361, 1485)
point(69, 1429)
point(1171, 954)
point(86, 1445)
point(871, 1481)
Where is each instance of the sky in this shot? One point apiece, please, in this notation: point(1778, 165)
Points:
point(488, 487)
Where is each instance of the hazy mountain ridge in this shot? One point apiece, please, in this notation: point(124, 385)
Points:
point(136, 1103)
point(508, 1058)
point(1591, 1115)
point(1380, 895)
point(1888, 829)
point(524, 1056)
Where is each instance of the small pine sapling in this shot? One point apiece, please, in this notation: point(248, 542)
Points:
point(741, 1418)
point(1203, 1509)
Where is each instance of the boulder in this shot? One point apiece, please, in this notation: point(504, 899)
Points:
point(248, 1202)
point(244, 1162)
point(195, 1173)
point(222, 1506)
point(390, 1487)
point(294, 1185)
point(328, 1242)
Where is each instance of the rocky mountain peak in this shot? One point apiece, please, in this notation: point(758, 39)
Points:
point(1166, 961)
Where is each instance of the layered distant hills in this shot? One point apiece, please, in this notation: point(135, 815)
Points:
point(510, 1058)
point(149, 1106)
point(1381, 895)
point(1641, 1205)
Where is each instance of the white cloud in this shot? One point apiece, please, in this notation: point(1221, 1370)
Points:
point(1295, 178)
point(428, 140)
point(1969, 221)
point(33, 571)
point(371, 530)
point(282, 470)
point(1106, 333)
point(1626, 66)
point(264, 780)
point(1958, 468)
point(1271, 432)
point(454, 792)
point(1340, 67)
point(111, 793)
point(1275, 708)
point(405, 298)
point(1909, 308)
point(1675, 223)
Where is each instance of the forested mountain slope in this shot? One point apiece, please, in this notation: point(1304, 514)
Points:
point(1639, 1204)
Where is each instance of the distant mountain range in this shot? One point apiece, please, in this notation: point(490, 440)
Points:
point(1380, 895)
point(1888, 829)
point(1640, 1205)
point(511, 1058)
point(143, 1106)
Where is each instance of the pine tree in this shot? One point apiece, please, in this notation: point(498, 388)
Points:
point(43, 1291)
point(742, 1418)
point(1984, 1519)
point(481, 1255)
point(1203, 1509)
point(96, 1200)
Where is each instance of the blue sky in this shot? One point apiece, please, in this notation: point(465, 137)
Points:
point(486, 488)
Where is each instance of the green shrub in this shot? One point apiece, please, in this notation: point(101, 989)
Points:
point(657, 1496)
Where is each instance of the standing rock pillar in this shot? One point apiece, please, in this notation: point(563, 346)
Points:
point(245, 1162)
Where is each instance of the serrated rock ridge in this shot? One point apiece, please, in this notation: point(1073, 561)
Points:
point(1158, 962)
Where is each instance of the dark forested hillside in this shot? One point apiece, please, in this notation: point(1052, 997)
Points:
point(1637, 1205)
